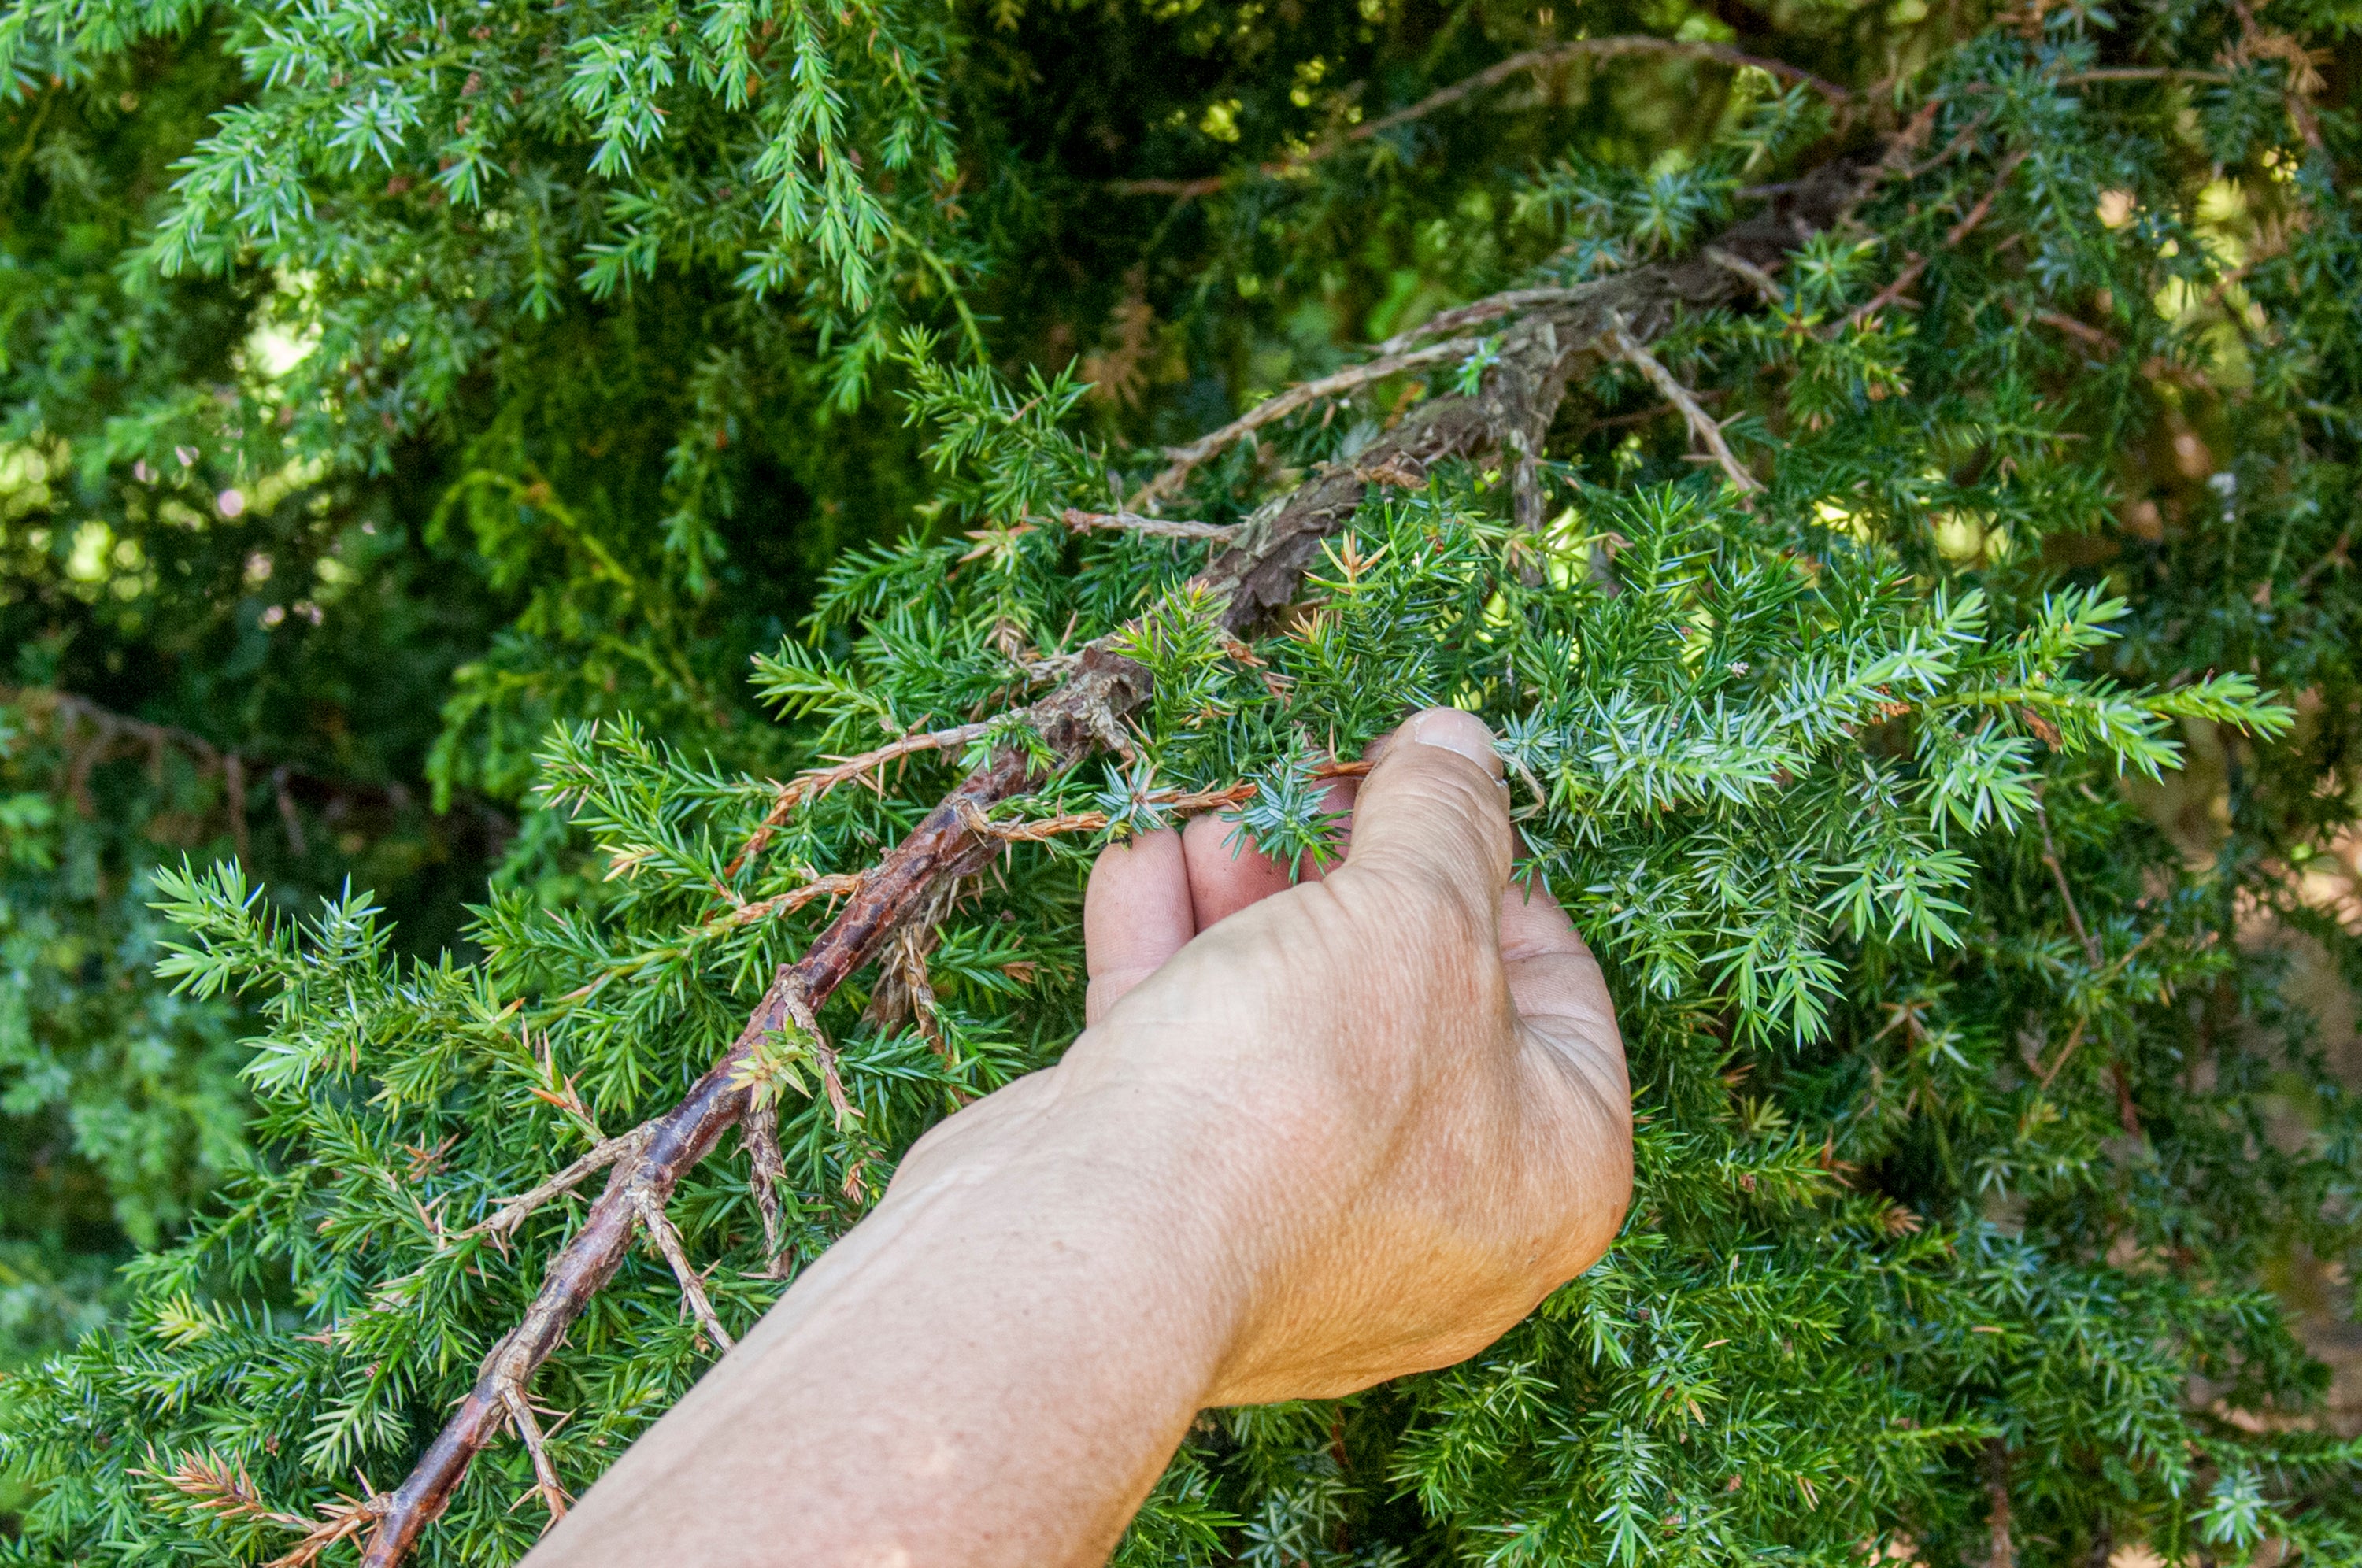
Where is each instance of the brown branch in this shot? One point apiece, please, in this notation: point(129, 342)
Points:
point(1493, 307)
point(511, 1212)
point(1254, 578)
point(1918, 263)
point(811, 786)
point(536, 1448)
point(759, 1133)
point(2141, 73)
point(2003, 1550)
point(2083, 934)
point(2082, 330)
point(1493, 75)
point(1701, 423)
point(1184, 459)
point(692, 1287)
point(1155, 528)
point(229, 1493)
point(1766, 288)
point(2337, 556)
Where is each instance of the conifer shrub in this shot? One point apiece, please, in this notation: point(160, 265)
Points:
point(1841, 492)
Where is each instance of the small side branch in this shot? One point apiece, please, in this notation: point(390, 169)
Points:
point(536, 1448)
point(760, 1135)
point(1185, 460)
point(1918, 263)
point(812, 784)
point(1766, 288)
point(1155, 527)
point(692, 1287)
point(513, 1211)
point(1701, 423)
point(2083, 934)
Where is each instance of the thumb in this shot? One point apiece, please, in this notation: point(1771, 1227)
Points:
point(1434, 810)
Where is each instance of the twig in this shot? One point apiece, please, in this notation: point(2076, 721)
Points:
point(1918, 263)
point(2075, 1035)
point(226, 1491)
point(1701, 423)
point(1256, 576)
point(511, 1212)
point(544, 1473)
point(812, 784)
point(1184, 459)
point(2141, 73)
point(2091, 948)
point(1767, 287)
point(1491, 76)
point(692, 1288)
point(2336, 556)
point(2083, 330)
point(2003, 1553)
point(759, 1134)
point(1493, 307)
point(1156, 527)
point(1952, 149)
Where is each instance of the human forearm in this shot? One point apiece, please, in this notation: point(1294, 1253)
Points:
point(992, 1368)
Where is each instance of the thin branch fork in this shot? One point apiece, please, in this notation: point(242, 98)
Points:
point(1701, 423)
point(1185, 459)
point(812, 784)
point(1521, 63)
point(536, 1448)
point(1918, 263)
point(1254, 579)
point(1155, 527)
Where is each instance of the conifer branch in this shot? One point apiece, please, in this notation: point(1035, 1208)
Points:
point(1257, 575)
point(1917, 263)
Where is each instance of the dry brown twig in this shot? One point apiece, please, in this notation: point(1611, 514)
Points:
point(1253, 579)
point(819, 781)
point(536, 1448)
point(1155, 528)
point(1529, 61)
point(1701, 423)
point(229, 1492)
point(693, 1285)
point(1184, 459)
point(1917, 263)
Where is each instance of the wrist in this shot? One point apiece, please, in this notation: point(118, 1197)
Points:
point(1124, 1194)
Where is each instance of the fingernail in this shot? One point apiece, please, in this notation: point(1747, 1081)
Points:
point(1453, 730)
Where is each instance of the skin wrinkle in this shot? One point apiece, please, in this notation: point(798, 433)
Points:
point(1332, 1138)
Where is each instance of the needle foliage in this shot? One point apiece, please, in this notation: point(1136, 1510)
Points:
point(574, 419)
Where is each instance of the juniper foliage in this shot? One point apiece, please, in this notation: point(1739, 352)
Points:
point(1975, 1123)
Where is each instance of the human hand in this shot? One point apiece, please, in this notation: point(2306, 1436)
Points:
point(1314, 1137)
point(1401, 1081)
